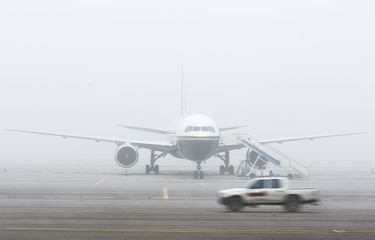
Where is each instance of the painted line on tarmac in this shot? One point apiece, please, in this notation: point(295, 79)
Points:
point(241, 181)
point(165, 193)
point(97, 197)
point(103, 178)
point(207, 231)
point(115, 193)
point(203, 185)
point(156, 193)
point(347, 194)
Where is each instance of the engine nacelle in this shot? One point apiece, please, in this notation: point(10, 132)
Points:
point(252, 156)
point(126, 156)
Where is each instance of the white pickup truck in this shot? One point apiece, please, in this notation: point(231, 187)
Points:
point(268, 191)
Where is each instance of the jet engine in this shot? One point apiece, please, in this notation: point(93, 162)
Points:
point(252, 156)
point(126, 156)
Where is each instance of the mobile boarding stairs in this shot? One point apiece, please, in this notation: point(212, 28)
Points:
point(265, 160)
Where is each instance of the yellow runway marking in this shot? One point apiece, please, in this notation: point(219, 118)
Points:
point(165, 193)
point(103, 178)
point(240, 180)
point(204, 185)
point(209, 231)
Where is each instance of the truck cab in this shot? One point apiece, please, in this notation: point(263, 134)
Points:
point(265, 190)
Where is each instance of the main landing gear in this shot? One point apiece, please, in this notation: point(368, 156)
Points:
point(152, 167)
point(199, 173)
point(227, 168)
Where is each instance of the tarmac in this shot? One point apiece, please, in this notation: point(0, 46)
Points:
point(100, 202)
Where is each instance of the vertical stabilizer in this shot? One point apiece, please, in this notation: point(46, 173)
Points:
point(183, 106)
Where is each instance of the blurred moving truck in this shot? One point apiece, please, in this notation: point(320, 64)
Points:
point(268, 191)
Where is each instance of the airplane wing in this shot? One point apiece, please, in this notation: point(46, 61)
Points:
point(231, 128)
point(281, 140)
point(163, 146)
point(234, 146)
point(229, 147)
point(153, 130)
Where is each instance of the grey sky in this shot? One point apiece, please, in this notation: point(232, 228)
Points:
point(285, 68)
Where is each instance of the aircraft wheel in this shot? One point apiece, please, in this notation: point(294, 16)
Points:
point(201, 175)
point(195, 174)
point(222, 169)
point(231, 170)
point(148, 168)
point(156, 169)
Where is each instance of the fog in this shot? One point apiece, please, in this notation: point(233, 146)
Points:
point(284, 68)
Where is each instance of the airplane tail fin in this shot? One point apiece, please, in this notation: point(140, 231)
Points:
point(183, 105)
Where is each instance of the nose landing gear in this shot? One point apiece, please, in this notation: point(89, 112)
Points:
point(199, 173)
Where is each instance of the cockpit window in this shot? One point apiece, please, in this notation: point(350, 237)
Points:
point(196, 129)
point(208, 129)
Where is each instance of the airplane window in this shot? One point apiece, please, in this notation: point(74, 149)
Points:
point(196, 129)
point(188, 128)
point(204, 129)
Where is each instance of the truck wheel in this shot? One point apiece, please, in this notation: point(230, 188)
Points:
point(292, 204)
point(235, 204)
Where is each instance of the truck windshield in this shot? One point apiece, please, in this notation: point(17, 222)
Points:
point(258, 184)
point(255, 184)
point(249, 184)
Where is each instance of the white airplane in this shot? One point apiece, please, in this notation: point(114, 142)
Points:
point(196, 138)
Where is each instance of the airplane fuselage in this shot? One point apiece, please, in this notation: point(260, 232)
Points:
point(197, 138)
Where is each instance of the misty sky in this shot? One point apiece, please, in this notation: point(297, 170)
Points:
point(285, 68)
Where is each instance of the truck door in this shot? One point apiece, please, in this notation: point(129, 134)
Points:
point(256, 192)
point(276, 191)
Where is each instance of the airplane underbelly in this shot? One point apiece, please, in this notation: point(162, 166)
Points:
point(198, 148)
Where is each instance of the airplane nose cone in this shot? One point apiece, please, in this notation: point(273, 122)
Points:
point(198, 148)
